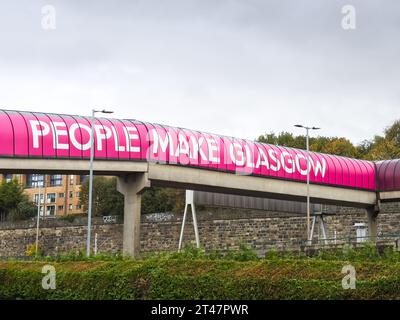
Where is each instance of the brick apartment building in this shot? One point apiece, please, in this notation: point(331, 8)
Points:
point(59, 193)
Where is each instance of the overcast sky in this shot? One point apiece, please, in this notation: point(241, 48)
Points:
point(239, 68)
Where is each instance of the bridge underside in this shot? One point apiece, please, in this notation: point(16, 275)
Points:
point(198, 179)
point(135, 177)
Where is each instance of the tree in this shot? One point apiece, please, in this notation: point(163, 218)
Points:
point(284, 139)
point(378, 148)
point(332, 145)
point(106, 199)
point(386, 147)
point(163, 200)
point(14, 203)
point(383, 149)
point(364, 149)
point(340, 147)
point(392, 133)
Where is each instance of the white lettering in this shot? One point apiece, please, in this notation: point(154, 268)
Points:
point(131, 134)
point(99, 129)
point(249, 162)
point(183, 146)
point(116, 142)
point(159, 142)
point(39, 128)
point(202, 154)
point(76, 144)
point(317, 167)
point(57, 132)
point(239, 152)
point(213, 151)
point(303, 172)
point(286, 156)
point(264, 161)
point(272, 154)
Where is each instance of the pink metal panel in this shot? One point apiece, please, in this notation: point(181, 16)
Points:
point(112, 143)
point(47, 147)
point(389, 175)
point(35, 134)
point(396, 176)
point(159, 150)
point(318, 168)
point(173, 144)
point(331, 169)
point(352, 171)
point(21, 136)
point(183, 157)
point(194, 147)
point(6, 135)
point(214, 150)
point(201, 151)
point(75, 136)
point(229, 166)
point(262, 163)
point(61, 141)
point(285, 159)
point(372, 175)
point(139, 148)
point(345, 171)
point(274, 155)
point(222, 151)
point(119, 133)
point(81, 136)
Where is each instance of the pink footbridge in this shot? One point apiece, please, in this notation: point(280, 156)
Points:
point(60, 136)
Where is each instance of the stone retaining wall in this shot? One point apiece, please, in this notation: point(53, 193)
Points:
point(219, 229)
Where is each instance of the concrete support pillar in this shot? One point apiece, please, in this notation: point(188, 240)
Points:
point(131, 186)
point(372, 214)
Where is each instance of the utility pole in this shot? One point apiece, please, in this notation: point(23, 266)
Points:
point(38, 211)
point(308, 174)
point(89, 226)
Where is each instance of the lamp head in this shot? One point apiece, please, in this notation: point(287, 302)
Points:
point(102, 111)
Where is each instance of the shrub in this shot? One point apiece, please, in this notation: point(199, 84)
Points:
point(178, 278)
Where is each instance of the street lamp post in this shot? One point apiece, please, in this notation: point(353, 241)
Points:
point(38, 211)
point(308, 174)
point(89, 226)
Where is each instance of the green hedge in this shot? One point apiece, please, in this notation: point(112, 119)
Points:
point(173, 278)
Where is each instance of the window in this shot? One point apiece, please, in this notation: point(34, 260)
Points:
point(51, 198)
point(78, 207)
point(60, 208)
point(56, 180)
point(70, 207)
point(8, 177)
point(71, 180)
point(35, 180)
point(36, 197)
point(71, 194)
point(78, 194)
point(61, 195)
point(50, 210)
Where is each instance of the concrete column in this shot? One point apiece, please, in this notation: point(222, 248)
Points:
point(372, 214)
point(131, 186)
